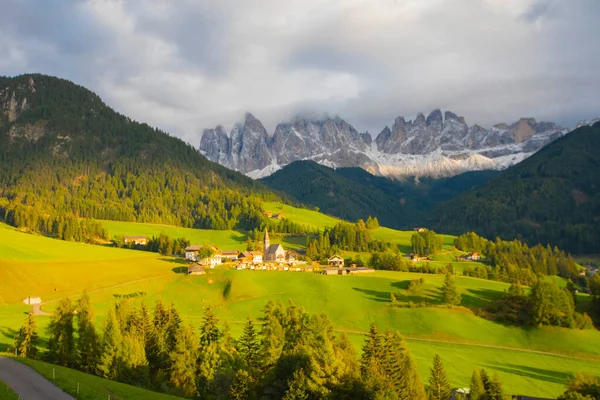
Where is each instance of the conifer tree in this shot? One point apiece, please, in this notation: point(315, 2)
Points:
point(183, 360)
point(412, 388)
point(439, 388)
point(241, 386)
point(450, 292)
point(249, 347)
point(209, 331)
point(61, 342)
point(477, 390)
point(372, 350)
point(494, 389)
point(88, 346)
point(112, 342)
point(134, 364)
point(272, 337)
point(297, 389)
point(26, 339)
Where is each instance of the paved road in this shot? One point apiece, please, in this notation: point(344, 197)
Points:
point(27, 383)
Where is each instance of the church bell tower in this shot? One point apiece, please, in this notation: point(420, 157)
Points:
point(267, 241)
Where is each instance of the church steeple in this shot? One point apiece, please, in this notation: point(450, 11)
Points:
point(267, 241)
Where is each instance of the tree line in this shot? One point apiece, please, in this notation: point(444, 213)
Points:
point(286, 354)
point(515, 261)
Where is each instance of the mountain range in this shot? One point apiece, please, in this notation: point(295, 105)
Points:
point(439, 145)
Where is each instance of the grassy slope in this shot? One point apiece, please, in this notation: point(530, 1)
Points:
point(6, 393)
point(351, 302)
point(91, 387)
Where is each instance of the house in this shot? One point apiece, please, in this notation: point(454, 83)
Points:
point(415, 257)
point(257, 257)
point(336, 261)
point(291, 257)
point(135, 240)
point(582, 272)
point(196, 269)
point(229, 255)
point(473, 256)
point(213, 260)
point(330, 271)
point(278, 216)
point(273, 252)
point(268, 214)
point(359, 270)
point(419, 229)
point(191, 252)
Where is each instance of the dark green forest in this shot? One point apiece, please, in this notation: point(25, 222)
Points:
point(63, 152)
point(353, 193)
point(552, 197)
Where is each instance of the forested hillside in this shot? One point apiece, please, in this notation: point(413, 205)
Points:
point(353, 193)
point(552, 197)
point(65, 154)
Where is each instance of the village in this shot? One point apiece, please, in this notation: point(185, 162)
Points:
point(274, 257)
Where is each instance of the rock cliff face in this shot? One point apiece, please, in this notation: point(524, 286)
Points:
point(439, 145)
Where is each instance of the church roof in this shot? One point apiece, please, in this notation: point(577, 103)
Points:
point(266, 235)
point(273, 248)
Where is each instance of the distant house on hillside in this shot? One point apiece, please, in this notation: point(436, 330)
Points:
point(135, 240)
point(415, 257)
point(471, 256)
point(268, 214)
point(336, 261)
point(419, 229)
point(212, 261)
point(196, 269)
point(278, 216)
point(229, 255)
point(191, 252)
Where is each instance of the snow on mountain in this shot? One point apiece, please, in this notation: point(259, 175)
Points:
point(439, 145)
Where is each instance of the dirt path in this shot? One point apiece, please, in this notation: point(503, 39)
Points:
point(489, 346)
point(27, 383)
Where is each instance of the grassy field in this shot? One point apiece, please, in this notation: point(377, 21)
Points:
point(38, 266)
point(91, 387)
point(302, 216)
point(588, 259)
point(6, 393)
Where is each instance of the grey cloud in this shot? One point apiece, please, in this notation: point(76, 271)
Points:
point(188, 65)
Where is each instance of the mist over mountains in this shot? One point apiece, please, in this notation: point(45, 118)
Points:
point(439, 145)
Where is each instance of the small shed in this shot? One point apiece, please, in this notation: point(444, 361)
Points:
point(196, 269)
point(336, 261)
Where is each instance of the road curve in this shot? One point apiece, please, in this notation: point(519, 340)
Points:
point(27, 383)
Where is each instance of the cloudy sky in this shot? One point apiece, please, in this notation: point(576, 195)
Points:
point(185, 65)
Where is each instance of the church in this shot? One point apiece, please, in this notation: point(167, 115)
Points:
point(273, 252)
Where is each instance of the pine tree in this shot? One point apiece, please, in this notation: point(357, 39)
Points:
point(61, 343)
point(450, 292)
point(412, 387)
point(372, 350)
point(26, 339)
point(241, 386)
point(209, 331)
point(249, 347)
point(439, 388)
point(494, 389)
point(88, 346)
point(297, 389)
point(272, 338)
point(112, 350)
point(477, 390)
point(183, 360)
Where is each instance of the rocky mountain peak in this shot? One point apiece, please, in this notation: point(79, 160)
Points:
point(441, 144)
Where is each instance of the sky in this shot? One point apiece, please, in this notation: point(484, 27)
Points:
point(187, 65)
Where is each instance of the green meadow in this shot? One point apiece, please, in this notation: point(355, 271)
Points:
point(532, 361)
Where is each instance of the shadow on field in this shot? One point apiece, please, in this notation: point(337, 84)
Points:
point(180, 270)
point(532, 372)
point(8, 333)
point(401, 284)
point(174, 260)
point(479, 297)
point(383, 297)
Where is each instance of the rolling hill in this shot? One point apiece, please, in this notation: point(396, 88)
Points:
point(534, 361)
point(353, 193)
point(552, 197)
point(63, 151)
